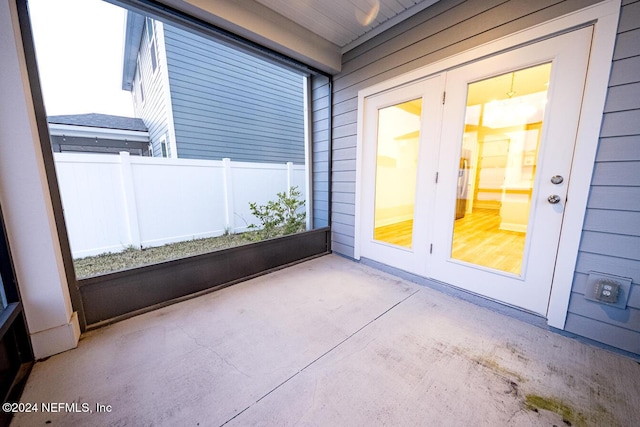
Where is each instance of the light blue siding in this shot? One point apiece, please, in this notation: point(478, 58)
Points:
point(154, 110)
point(227, 103)
point(320, 99)
point(611, 237)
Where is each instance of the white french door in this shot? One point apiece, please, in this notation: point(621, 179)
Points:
point(473, 193)
point(400, 137)
point(515, 117)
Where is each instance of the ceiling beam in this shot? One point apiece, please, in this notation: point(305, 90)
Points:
point(255, 22)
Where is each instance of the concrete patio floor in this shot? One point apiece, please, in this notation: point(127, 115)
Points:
point(330, 342)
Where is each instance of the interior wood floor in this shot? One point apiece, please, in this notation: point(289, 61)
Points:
point(400, 233)
point(477, 239)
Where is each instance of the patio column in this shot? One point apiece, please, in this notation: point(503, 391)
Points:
point(26, 203)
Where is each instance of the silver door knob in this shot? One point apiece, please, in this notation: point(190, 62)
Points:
point(553, 199)
point(557, 179)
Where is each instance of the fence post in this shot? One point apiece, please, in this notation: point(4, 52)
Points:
point(289, 177)
point(128, 192)
point(228, 196)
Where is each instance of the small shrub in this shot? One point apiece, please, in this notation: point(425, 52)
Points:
point(279, 217)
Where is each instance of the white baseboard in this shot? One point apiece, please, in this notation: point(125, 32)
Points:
point(56, 340)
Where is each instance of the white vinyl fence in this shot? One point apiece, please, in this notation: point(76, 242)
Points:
point(112, 202)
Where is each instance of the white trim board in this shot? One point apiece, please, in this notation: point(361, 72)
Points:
point(95, 132)
point(604, 18)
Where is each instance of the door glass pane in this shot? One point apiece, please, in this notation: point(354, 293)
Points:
point(396, 168)
point(497, 168)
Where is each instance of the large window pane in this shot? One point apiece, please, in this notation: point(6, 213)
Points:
point(497, 168)
point(396, 169)
point(170, 141)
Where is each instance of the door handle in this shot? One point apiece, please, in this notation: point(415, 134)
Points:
point(557, 179)
point(553, 199)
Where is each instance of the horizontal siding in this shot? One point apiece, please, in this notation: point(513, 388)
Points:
point(227, 103)
point(320, 108)
point(446, 28)
point(616, 198)
point(611, 237)
point(154, 110)
point(628, 45)
point(624, 339)
point(618, 245)
point(623, 148)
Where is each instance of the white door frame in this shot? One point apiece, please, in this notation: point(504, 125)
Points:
point(604, 17)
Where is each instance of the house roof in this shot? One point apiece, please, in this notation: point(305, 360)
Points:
point(100, 121)
point(133, 35)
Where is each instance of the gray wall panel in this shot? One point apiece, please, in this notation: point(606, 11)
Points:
point(625, 71)
point(625, 97)
point(630, 17)
point(604, 313)
point(615, 173)
point(621, 123)
point(341, 239)
point(344, 165)
point(320, 91)
point(344, 187)
point(621, 148)
point(342, 198)
point(339, 248)
point(610, 221)
point(228, 103)
point(608, 264)
point(345, 154)
point(349, 141)
point(343, 230)
point(618, 245)
point(615, 198)
point(344, 130)
point(624, 339)
point(627, 45)
point(343, 208)
point(349, 105)
point(342, 119)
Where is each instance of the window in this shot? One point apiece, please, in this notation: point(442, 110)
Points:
point(137, 86)
point(163, 147)
point(154, 59)
point(149, 26)
point(221, 112)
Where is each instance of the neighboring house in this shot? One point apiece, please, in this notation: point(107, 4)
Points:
point(201, 99)
point(593, 225)
point(98, 133)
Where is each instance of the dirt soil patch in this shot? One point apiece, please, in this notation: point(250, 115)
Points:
point(132, 257)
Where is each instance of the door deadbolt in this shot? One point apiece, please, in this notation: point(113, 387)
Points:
point(553, 199)
point(557, 179)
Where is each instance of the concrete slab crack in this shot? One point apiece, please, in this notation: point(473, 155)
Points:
point(321, 356)
point(210, 349)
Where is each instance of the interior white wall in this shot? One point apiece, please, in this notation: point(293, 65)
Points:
point(26, 203)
